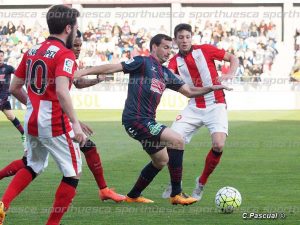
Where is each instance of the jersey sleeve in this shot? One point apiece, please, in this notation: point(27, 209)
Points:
point(21, 70)
point(173, 65)
point(66, 65)
point(214, 52)
point(174, 82)
point(133, 64)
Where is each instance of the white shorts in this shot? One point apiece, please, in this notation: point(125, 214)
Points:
point(214, 117)
point(64, 151)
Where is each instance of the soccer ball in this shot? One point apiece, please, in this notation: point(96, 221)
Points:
point(227, 199)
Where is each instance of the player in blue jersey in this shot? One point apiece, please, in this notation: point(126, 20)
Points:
point(148, 80)
point(5, 107)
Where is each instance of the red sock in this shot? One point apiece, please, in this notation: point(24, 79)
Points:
point(211, 162)
point(12, 168)
point(94, 162)
point(17, 185)
point(63, 198)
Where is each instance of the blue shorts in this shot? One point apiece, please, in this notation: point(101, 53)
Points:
point(147, 132)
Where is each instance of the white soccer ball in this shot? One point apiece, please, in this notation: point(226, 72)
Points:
point(227, 199)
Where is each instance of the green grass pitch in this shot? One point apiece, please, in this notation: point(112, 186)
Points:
point(261, 160)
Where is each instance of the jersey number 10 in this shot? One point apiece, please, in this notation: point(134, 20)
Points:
point(36, 76)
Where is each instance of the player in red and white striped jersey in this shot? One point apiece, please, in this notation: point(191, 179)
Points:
point(51, 124)
point(195, 65)
point(89, 149)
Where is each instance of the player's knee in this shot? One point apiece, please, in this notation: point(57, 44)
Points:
point(77, 176)
point(218, 146)
point(161, 162)
point(178, 142)
point(10, 117)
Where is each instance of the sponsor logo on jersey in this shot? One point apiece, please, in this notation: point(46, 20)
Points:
point(51, 52)
point(34, 50)
point(157, 86)
point(68, 65)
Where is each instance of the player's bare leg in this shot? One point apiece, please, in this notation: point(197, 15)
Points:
point(212, 160)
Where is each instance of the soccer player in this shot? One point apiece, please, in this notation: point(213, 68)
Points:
point(195, 65)
point(89, 149)
point(51, 125)
point(5, 107)
point(148, 80)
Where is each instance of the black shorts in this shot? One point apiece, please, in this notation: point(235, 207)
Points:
point(5, 105)
point(147, 132)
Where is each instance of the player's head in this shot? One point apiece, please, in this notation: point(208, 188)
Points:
point(160, 47)
point(1, 57)
point(77, 44)
point(183, 37)
point(62, 20)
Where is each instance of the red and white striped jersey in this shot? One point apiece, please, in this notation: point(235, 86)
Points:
point(40, 66)
point(198, 69)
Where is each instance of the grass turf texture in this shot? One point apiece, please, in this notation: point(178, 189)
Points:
point(261, 160)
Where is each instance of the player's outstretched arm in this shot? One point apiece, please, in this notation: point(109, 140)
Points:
point(16, 89)
point(103, 69)
point(192, 92)
point(85, 82)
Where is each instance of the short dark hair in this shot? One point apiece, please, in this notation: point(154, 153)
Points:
point(1, 52)
point(158, 38)
point(182, 26)
point(59, 16)
point(78, 34)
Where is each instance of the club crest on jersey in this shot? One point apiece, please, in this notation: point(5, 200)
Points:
point(157, 86)
point(129, 61)
point(68, 65)
point(154, 128)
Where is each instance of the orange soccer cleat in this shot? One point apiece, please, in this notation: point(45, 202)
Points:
point(107, 193)
point(182, 199)
point(139, 199)
point(2, 213)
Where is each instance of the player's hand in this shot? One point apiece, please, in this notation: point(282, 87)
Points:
point(221, 87)
point(86, 129)
point(79, 135)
